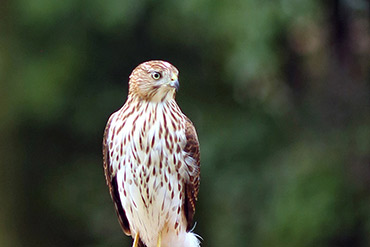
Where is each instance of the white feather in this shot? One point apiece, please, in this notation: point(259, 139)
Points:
point(162, 214)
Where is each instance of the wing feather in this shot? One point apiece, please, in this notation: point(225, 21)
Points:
point(111, 179)
point(192, 185)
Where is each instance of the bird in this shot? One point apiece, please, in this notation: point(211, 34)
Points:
point(151, 160)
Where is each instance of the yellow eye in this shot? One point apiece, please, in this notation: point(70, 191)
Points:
point(156, 75)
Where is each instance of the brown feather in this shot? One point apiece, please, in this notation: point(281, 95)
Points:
point(192, 185)
point(144, 88)
point(112, 184)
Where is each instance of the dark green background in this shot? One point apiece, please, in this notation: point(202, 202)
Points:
point(278, 90)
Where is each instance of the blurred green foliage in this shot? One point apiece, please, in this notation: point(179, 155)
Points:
point(278, 90)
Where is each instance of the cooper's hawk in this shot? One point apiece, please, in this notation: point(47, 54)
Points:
point(152, 160)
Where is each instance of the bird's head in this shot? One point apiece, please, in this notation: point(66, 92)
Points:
point(154, 81)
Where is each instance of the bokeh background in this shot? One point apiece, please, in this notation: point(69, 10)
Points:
point(278, 90)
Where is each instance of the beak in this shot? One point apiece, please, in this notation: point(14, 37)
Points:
point(175, 83)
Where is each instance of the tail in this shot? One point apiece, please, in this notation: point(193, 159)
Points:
point(192, 240)
point(141, 244)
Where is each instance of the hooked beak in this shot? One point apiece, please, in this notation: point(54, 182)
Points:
point(175, 83)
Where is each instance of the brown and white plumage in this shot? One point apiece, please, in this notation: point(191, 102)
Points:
point(152, 160)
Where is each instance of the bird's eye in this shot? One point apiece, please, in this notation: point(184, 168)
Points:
point(156, 75)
